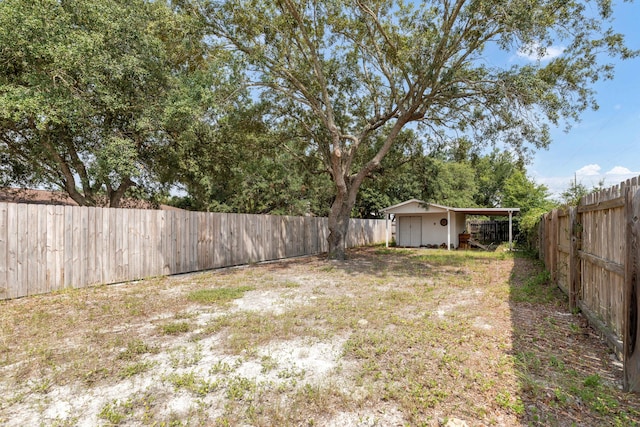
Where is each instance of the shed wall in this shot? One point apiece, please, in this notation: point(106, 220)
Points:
point(432, 233)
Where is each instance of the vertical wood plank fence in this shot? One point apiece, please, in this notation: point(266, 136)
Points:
point(44, 248)
point(491, 231)
point(592, 252)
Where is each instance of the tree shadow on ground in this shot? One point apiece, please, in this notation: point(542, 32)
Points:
point(567, 374)
point(408, 262)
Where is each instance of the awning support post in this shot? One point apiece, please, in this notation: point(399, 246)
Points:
point(510, 231)
point(448, 230)
point(386, 230)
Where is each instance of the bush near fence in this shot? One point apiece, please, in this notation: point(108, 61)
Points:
point(593, 254)
point(44, 248)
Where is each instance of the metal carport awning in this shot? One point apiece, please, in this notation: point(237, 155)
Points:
point(491, 212)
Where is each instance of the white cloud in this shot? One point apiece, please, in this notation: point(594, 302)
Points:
point(588, 175)
point(589, 170)
point(555, 184)
point(620, 170)
point(534, 52)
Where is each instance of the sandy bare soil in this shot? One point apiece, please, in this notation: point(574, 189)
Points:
point(387, 338)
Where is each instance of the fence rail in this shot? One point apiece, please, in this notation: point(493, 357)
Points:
point(593, 254)
point(44, 248)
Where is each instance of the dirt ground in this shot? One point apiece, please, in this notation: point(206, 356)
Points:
point(390, 337)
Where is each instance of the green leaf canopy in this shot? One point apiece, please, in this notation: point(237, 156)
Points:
point(350, 72)
point(84, 87)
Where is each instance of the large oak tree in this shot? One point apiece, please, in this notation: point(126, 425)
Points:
point(352, 71)
point(92, 90)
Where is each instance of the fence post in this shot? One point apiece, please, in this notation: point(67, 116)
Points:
point(631, 302)
point(541, 228)
point(574, 257)
point(541, 239)
point(553, 246)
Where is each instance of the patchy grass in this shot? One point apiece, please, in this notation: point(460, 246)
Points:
point(175, 328)
point(192, 383)
point(136, 348)
point(389, 337)
point(135, 369)
point(218, 295)
point(116, 411)
point(536, 289)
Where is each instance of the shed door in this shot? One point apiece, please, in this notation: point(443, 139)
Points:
point(410, 231)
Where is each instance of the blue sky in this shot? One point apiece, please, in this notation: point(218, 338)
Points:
point(605, 144)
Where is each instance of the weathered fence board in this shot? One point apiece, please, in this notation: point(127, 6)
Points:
point(12, 251)
point(563, 243)
point(4, 249)
point(591, 252)
point(45, 248)
point(22, 254)
point(632, 307)
point(490, 231)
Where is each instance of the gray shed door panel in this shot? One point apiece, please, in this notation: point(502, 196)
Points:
point(410, 231)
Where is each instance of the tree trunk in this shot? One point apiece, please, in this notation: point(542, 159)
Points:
point(348, 185)
point(115, 196)
point(338, 228)
point(339, 216)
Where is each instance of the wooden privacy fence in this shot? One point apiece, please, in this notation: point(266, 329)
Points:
point(490, 231)
point(593, 254)
point(44, 248)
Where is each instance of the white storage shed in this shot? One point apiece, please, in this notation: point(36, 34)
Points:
point(427, 224)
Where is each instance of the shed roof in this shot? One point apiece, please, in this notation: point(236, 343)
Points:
point(414, 206)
